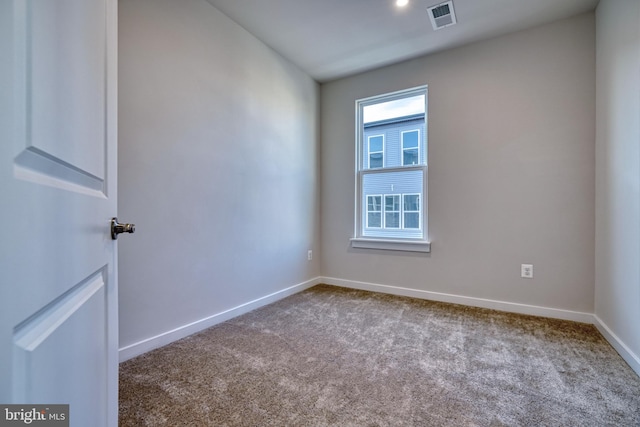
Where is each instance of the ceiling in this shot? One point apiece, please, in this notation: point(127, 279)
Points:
point(330, 39)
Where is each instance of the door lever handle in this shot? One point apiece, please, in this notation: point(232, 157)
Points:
point(117, 228)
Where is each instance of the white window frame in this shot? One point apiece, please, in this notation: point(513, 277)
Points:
point(369, 152)
point(397, 244)
point(403, 149)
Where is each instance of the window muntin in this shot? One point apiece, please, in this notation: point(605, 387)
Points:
point(376, 151)
point(391, 202)
point(410, 147)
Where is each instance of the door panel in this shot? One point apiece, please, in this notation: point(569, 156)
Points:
point(60, 95)
point(46, 350)
point(58, 271)
point(64, 64)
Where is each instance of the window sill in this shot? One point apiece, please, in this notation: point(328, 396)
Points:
point(391, 245)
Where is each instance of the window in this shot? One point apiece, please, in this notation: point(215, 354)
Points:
point(391, 172)
point(411, 147)
point(374, 212)
point(392, 211)
point(376, 151)
point(411, 211)
point(396, 215)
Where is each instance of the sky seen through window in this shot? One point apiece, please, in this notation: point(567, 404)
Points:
point(392, 109)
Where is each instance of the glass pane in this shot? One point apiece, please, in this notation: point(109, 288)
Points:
point(375, 160)
point(375, 143)
point(392, 203)
point(412, 220)
point(410, 139)
point(373, 203)
point(412, 202)
point(397, 108)
point(374, 219)
point(410, 157)
point(392, 220)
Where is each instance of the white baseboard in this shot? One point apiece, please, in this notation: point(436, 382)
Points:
point(136, 349)
point(632, 359)
point(510, 307)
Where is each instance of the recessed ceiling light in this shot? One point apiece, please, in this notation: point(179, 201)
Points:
point(402, 3)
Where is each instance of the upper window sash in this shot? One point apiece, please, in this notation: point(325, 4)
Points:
point(362, 155)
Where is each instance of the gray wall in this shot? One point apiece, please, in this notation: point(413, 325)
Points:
point(618, 170)
point(511, 170)
point(218, 166)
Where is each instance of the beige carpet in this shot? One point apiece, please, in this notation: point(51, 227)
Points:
point(337, 357)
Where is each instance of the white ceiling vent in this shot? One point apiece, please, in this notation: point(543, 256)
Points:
point(442, 15)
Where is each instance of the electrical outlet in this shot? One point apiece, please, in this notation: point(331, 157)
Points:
point(526, 271)
point(310, 255)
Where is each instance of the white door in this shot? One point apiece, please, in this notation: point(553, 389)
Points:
point(58, 273)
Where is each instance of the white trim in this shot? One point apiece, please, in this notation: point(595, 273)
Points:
point(510, 307)
point(392, 96)
point(389, 169)
point(390, 244)
point(627, 354)
point(136, 349)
